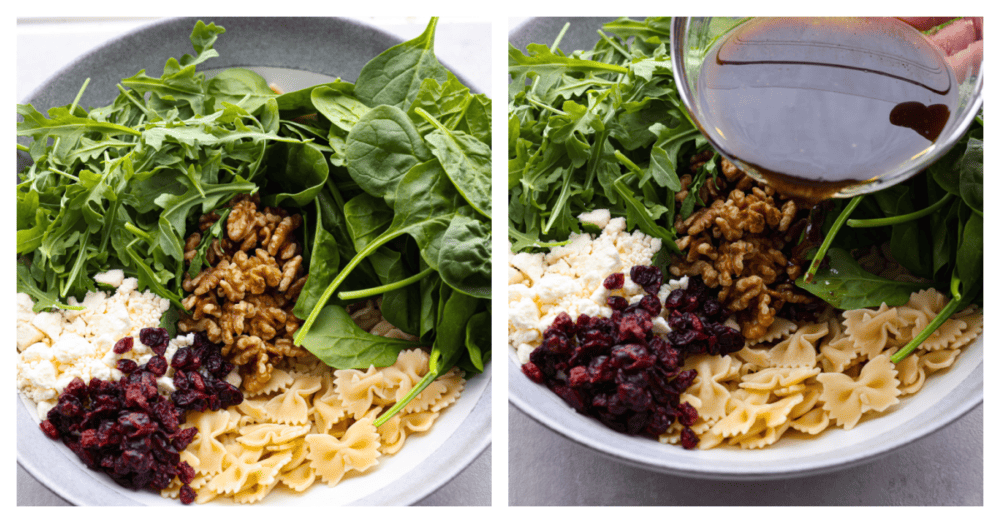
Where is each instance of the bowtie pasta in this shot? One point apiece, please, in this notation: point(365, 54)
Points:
point(816, 376)
point(312, 423)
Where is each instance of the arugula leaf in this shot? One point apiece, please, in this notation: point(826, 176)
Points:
point(43, 300)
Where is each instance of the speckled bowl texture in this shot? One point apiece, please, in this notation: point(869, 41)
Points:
point(945, 397)
point(330, 47)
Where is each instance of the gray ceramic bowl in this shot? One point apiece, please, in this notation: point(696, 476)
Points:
point(946, 396)
point(295, 53)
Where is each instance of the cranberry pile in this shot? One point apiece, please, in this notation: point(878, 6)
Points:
point(127, 429)
point(619, 372)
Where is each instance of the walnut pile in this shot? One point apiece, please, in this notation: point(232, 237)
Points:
point(244, 299)
point(742, 244)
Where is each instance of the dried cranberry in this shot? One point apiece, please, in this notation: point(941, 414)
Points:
point(615, 281)
point(126, 366)
point(617, 302)
point(76, 388)
point(686, 414)
point(185, 472)
point(649, 278)
point(49, 429)
point(532, 372)
point(187, 494)
point(689, 439)
point(155, 338)
point(651, 304)
point(184, 438)
point(123, 345)
point(157, 365)
point(186, 359)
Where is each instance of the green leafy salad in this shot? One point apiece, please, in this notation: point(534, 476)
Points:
point(391, 175)
point(604, 128)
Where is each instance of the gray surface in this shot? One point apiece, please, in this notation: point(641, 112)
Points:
point(47, 46)
point(945, 468)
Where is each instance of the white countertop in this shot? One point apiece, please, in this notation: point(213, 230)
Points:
point(44, 46)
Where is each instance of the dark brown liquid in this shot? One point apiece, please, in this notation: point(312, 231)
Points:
point(816, 105)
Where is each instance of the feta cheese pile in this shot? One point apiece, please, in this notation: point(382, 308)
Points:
point(570, 279)
point(55, 347)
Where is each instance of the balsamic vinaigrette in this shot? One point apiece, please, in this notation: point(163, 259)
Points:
point(815, 105)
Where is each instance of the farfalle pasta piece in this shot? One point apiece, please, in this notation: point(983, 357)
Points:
point(236, 473)
point(780, 329)
point(253, 411)
point(262, 479)
point(279, 381)
point(751, 415)
point(411, 365)
point(299, 478)
point(875, 389)
point(973, 318)
point(328, 410)
point(799, 349)
point(910, 373)
point(292, 405)
point(454, 384)
point(393, 432)
point(870, 330)
point(206, 447)
point(707, 388)
point(812, 422)
point(357, 389)
point(777, 377)
point(759, 440)
point(264, 434)
point(331, 457)
point(934, 361)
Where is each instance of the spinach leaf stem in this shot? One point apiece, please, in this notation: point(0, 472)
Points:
point(821, 253)
point(902, 218)
point(382, 289)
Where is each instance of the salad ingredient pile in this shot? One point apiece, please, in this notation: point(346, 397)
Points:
point(784, 320)
point(232, 213)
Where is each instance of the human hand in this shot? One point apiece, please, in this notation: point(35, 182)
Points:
point(962, 41)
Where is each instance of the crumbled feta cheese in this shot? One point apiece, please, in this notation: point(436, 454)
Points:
point(570, 278)
point(57, 346)
point(114, 278)
point(598, 217)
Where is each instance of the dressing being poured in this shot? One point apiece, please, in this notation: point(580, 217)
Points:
point(817, 105)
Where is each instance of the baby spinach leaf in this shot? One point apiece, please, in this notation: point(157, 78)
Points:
point(394, 77)
point(367, 217)
point(341, 344)
point(299, 103)
point(305, 173)
point(477, 339)
point(323, 264)
point(466, 160)
point(845, 285)
point(381, 148)
point(464, 259)
point(343, 110)
point(970, 179)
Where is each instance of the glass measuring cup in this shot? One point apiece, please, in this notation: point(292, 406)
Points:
point(692, 40)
